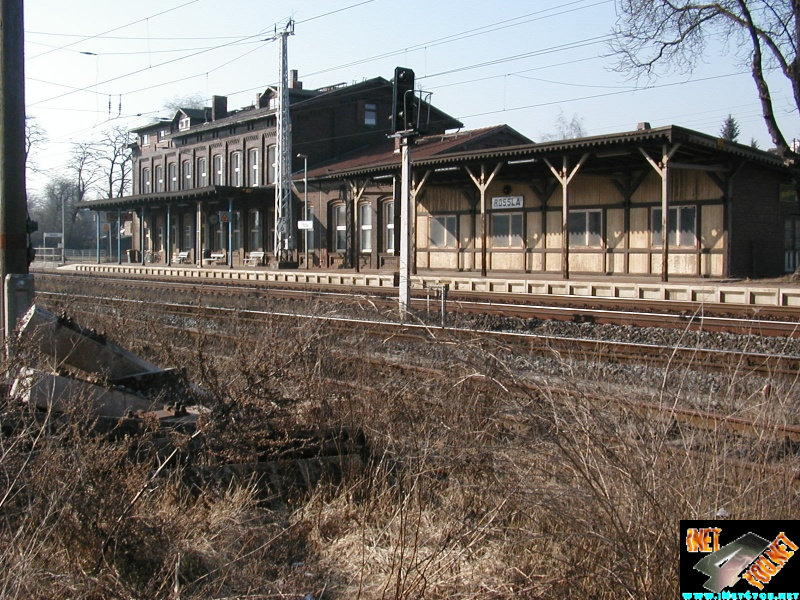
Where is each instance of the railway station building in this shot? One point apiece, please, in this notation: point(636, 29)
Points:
point(653, 201)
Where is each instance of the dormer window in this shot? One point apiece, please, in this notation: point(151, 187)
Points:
point(370, 114)
point(184, 124)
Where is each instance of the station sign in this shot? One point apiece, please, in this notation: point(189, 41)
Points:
point(305, 225)
point(507, 202)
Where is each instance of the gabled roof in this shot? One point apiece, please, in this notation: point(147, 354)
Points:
point(620, 150)
point(426, 147)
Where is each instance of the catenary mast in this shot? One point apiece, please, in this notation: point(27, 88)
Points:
point(284, 240)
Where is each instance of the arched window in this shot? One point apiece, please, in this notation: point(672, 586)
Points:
point(218, 170)
point(388, 226)
point(252, 161)
point(339, 221)
point(172, 170)
point(365, 227)
point(159, 178)
point(271, 158)
point(144, 183)
point(202, 172)
point(186, 169)
point(236, 169)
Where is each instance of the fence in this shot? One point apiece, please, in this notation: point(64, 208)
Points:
point(59, 254)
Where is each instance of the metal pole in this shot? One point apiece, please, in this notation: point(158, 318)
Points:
point(63, 232)
point(405, 228)
point(305, 204)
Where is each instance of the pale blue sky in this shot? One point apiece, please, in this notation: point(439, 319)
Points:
point(519, 63)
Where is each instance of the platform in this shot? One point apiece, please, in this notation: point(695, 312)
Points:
point(769, 293)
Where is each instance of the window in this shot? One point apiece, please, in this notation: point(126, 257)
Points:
point(188, 233)
point(144, 184)
point(187, 174)
point(365, 224)
point(585, 228)
point(172, 182)
point(163, 133)
point(370, 114)
point(340, 228)
point(443, 231)
point(236, 169)
point(159, 178)
point(145, 139)
point(236, 230)
point(271, 157)
point(159, 238)
point(507, 230)
point(682, 226)
point(202, 172)
point(254, 217)
point(184, 124)
point(388, 227)
point(220, 229)
point(310, 232)
point(219, 173)
point(252, 160)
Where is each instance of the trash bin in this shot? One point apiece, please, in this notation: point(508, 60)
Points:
point(133, 256)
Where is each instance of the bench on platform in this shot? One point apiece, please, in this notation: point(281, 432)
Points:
point(181, 257)
point(254, 259)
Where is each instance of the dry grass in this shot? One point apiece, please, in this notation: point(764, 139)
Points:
point(473, 488)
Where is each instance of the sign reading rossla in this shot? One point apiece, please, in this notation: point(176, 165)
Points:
point(506, 202)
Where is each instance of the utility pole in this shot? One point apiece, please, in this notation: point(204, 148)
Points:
point(284, 241)
point(17, 283)
point(404, 125)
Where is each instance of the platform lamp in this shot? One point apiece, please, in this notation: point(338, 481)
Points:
point(305, 202)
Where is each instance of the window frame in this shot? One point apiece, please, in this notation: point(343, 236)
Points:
point(236, 169)
point(370, 114)
point(186, 173)
point(172, 176)
point(202, 172)
point(218, 169)
point(253, 163)
point(145, 182)
point(159, 178)
point(365, 228)
point(587, 232)
point(339, 221)
point(442, 223)
point(388, 226)
point(674, 237)
point(513, 218)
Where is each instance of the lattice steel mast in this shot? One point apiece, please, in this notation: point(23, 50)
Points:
point(284, 240)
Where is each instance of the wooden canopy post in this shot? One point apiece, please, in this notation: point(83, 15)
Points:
point(564, 177)
point(483, 184)
point(663, 169)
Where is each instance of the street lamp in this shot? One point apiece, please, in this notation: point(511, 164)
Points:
point(305, 202)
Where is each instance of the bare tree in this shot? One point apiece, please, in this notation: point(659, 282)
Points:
point(83, 168)
point(566, 129)
point(114, 162)
point(35, 136)
point(171, 106)
point(674, 34)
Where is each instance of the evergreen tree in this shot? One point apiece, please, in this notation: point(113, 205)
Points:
point(730, 129)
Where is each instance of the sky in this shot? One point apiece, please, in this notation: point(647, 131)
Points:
point(95, 64)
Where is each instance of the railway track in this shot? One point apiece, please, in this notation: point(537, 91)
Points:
point(189, 318)
point(598, 350)
point(742, 320)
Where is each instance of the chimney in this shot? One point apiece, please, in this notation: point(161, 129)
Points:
point(219, 107)
point(293, 83)
point(644, 125)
